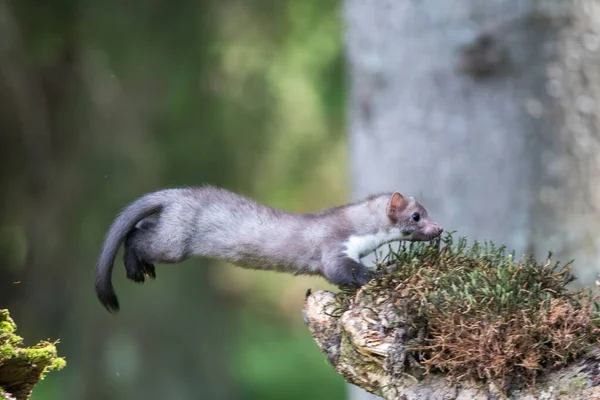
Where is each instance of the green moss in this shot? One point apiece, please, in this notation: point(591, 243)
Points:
point(57, 364)
point(486, 315)
point(22, 367)
point(8, 340)
point(6, 327)
point(7, 351)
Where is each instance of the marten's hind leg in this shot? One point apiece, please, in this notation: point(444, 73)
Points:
point(135, 264)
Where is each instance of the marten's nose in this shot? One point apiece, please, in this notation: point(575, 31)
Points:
point(437, 230)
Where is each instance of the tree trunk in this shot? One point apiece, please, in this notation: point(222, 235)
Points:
point(487, 112)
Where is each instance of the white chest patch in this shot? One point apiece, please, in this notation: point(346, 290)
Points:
point(359, 246)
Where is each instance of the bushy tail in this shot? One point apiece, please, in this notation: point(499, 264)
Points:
point(123, 224)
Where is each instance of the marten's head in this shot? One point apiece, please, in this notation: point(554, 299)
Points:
point(408, 215)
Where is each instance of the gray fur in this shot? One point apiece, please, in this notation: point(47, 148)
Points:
point(216, 223)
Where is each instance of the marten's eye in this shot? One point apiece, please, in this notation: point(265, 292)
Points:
point(416, 217)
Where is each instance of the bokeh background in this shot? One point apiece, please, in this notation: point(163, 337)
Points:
point(104, 101)
point(488, 112)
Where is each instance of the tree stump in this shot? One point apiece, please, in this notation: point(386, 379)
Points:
point(427, 331)
point(21, 368)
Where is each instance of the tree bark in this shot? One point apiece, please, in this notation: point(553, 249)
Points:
point(487, 112)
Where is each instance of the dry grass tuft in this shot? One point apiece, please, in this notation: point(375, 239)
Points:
point(486, 315)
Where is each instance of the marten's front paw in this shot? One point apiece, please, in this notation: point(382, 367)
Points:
point(348, 274)
point(355, 283)
point(362, 277)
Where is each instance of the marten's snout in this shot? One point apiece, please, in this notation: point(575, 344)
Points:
point(433, 230)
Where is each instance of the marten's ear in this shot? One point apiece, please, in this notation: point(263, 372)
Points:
point(396, 204)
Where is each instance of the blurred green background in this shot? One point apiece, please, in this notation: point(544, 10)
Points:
point(103, 101)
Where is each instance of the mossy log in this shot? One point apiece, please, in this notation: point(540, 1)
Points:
point(427, 330)
point(21, 368)
point(368, 352)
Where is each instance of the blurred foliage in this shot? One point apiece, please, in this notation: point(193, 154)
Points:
point(104, 101)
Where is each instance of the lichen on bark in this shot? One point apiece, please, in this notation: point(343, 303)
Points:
point(21, 368)
point(452, 321)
